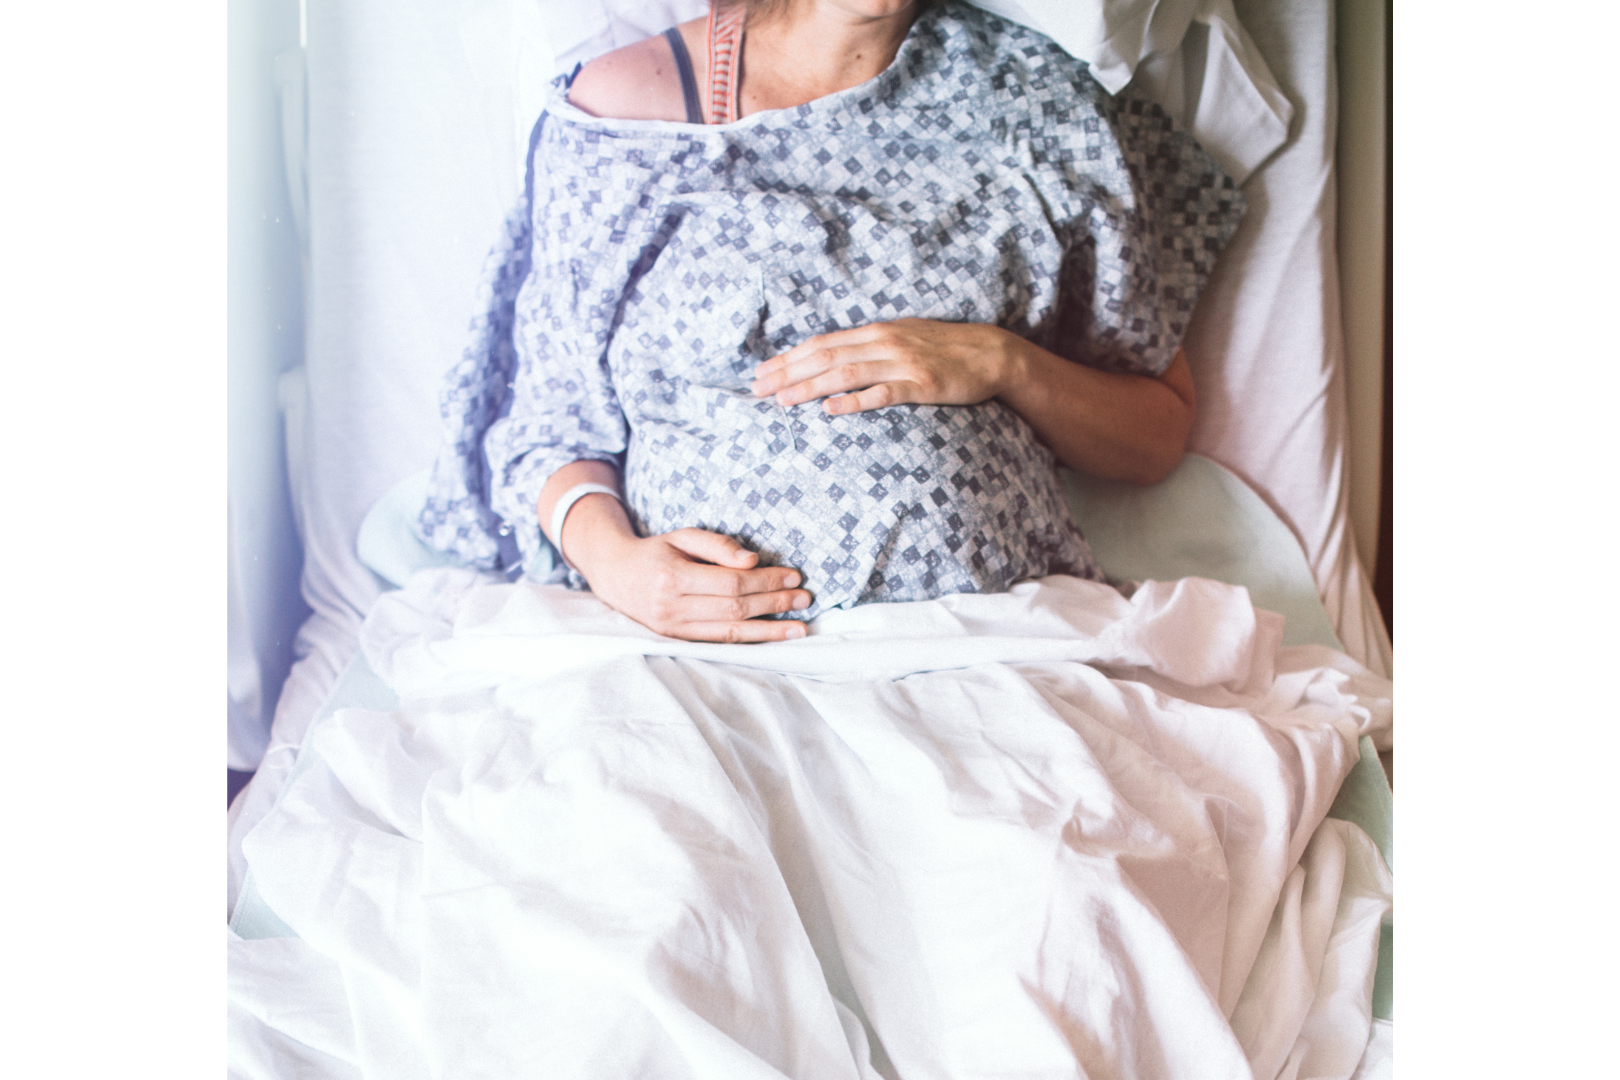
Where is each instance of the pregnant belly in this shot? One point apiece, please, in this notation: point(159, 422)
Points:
point(905, 503)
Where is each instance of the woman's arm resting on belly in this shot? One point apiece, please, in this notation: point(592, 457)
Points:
point(688, 584)
point(1109, 424)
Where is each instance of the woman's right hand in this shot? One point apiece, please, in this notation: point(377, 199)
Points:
point(689, 584)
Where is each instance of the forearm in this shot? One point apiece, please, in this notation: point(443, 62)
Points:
point(1125, 427)
point(1103, 423)
point(595, 522)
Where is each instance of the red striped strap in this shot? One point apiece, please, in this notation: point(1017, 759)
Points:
point(725, 59)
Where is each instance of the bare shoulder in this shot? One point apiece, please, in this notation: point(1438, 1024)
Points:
point(639, 81)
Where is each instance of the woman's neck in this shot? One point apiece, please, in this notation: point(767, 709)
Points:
point(811, 48)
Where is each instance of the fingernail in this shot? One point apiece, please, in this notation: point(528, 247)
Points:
point(801, 602)
point(796, 630)
point(791, 581)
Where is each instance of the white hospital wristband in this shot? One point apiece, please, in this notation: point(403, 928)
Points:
point(559, 513)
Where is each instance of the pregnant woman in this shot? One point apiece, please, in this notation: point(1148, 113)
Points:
point(802, 308)
point(806, 302)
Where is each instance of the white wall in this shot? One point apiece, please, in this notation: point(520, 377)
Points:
point(265, 335)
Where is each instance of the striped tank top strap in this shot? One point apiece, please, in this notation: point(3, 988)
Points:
point(725, 58)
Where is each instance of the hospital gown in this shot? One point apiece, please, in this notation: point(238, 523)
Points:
point(983, 177)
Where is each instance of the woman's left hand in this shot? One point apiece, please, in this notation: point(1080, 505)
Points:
point(881, 364)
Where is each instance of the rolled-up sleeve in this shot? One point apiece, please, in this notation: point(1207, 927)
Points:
point(1150, 214)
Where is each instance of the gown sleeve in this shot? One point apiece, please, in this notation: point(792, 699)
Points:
point(1149, 212)
point(563, 405)
point(533, 391)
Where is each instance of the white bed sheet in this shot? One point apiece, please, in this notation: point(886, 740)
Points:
point(734, 860)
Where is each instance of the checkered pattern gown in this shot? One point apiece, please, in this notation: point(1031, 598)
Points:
point(984, 177)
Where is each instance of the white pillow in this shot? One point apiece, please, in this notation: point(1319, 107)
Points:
point(1215, 84)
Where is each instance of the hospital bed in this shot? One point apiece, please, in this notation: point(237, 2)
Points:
point(402, 130)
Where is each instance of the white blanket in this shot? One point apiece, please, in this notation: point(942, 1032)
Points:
point(1048, 833)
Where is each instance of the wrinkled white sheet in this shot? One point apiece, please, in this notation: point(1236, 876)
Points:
point(1046, 833)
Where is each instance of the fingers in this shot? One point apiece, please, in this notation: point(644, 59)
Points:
point(712, 547)
point(726, 586)
point(700, 579)
point(698, 585)
point(726, 568)
point(719, 609)
point(718, 618)
point(840, 371)
point(738, 633)
point(711, 603)
point(908, 359)
point(824, 354)
point(852, 376)
point(880, 396)
point(860, 335)
point(729, 618)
